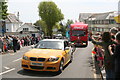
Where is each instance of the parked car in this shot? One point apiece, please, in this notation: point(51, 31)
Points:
point(48, 55)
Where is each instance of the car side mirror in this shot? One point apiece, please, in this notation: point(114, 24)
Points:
point(66, 48)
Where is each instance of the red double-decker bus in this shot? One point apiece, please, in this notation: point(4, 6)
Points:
point(79, 34)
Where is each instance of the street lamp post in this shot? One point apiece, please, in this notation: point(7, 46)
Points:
point(3, 27)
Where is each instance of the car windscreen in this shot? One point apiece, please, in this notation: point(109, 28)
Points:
point(49, 45)
point(78, 33)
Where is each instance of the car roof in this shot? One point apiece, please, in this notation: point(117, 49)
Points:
point(54, 40)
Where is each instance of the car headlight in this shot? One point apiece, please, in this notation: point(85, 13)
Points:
point(25, 57)
point(52, 59)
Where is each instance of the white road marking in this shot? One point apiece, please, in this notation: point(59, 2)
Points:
point(6, 67)
point(7, 71)
point(12, 53)
point(17, 60)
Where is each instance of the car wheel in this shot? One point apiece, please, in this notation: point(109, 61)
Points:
point(71, 58)
point(61, 66)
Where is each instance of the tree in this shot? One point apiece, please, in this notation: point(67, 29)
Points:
point(49, 13)
point(42, 24)
point(69, 22)
point(3, 14)
point(62, 29)
point(3, 10)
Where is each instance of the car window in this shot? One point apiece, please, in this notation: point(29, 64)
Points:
point(50, 45)
point(66, 44)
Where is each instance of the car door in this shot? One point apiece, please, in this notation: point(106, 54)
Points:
point(67, 51)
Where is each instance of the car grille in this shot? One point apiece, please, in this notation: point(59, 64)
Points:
point(41, 59)
point(37, 59)
point(36, 67)
point(33, 59)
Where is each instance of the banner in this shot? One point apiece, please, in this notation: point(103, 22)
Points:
point(117, 19)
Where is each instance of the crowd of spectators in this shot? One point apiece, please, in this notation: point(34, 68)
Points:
point(110, 43)
point(15, 43)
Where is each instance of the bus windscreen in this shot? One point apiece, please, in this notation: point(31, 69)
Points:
point(78, 33)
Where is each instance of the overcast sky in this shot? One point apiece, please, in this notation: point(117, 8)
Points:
point(28, 9)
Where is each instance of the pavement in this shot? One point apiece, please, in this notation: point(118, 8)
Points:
point(100, 71)
point(11, 51)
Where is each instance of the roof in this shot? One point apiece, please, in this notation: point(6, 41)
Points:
point(22, 26)
point(97, 16)
point(12, 18)
point(101, 16)
point(84, 15)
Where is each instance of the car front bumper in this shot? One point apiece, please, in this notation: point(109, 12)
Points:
point(46, 66)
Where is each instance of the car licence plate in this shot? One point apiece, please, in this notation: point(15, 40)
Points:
point(37, 64)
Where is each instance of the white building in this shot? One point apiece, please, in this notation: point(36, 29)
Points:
point(12, 23)
point(99, 22)
point(26, 27)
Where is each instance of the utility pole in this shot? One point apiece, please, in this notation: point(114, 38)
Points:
point(18, 15)
point(3, 27)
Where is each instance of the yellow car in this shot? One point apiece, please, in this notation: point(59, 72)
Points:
point(48, 55)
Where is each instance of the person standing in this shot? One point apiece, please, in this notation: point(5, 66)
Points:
point(15, 41)
point(1, 44)
point(108, 59)
point(116, 55)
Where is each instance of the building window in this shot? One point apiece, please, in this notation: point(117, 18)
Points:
point(102, 21)
point(100, 29)
point(93, 29)
point(103, 29)
point(112, 21)
point(25, 29)
point(93, 22)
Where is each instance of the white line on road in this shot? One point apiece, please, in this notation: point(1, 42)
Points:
point(7, 71)
point(6, 67)
point(17, 60)
point(12, 53)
